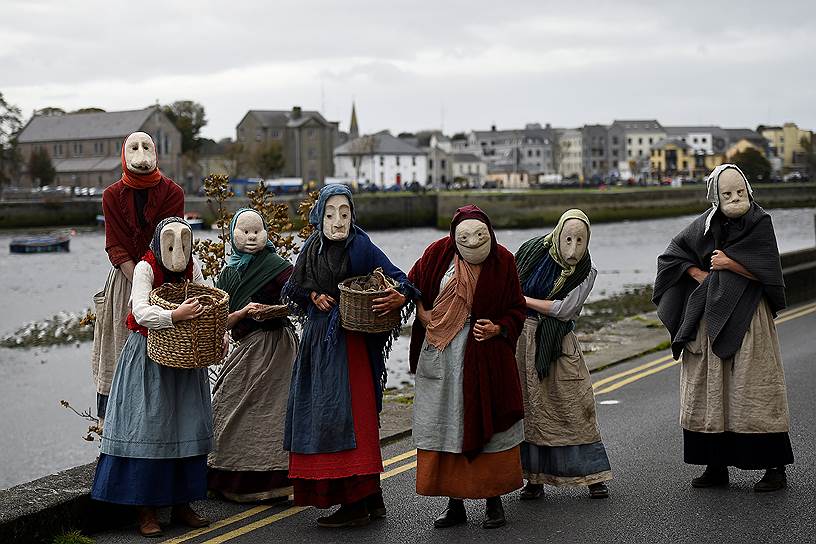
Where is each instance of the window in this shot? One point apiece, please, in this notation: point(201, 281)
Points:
point(695, 140)
point(77, 149)
point(630, 152)
point(430, 179)
point(118, 147)
point(640, 141)
point(258, 135)
point(650, 141)
point(382, 162)
point(274, 133)
point(58, 150)
point(311, 133)
point(640, 152)
point(430, 164)
point(614, 152)
point(704, 140)
point(413, 160)
point(397, 160)
point(538, 152)
point(442, 164)
point(629, 141)
point(166, 144)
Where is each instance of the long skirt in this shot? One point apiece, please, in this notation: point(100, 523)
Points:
point(563, 445)
point(158, 431)
point(442, 469)
point(345, 477)
point(112, 306)
point(249, 413)
point(734, 412)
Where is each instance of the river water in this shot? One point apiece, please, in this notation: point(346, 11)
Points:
point(38, 436)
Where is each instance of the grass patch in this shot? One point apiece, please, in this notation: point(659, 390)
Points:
point(72, 537)
point(633, 301)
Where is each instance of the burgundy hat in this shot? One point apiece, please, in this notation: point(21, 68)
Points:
point(471, 211)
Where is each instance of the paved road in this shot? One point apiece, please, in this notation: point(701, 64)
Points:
point(651, 499)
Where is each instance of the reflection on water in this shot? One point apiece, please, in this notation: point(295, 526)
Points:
point(39, 436)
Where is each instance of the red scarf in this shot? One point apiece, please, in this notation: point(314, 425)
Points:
point(491, 387)
point(158, 279)
point(139, 181)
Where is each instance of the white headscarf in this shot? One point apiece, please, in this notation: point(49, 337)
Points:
point(713, 190)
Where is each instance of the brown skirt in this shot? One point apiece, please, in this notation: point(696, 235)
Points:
point(443, 474)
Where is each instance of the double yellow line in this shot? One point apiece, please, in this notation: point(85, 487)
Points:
point(616, 381)
point(263, 522)
point(604, 385)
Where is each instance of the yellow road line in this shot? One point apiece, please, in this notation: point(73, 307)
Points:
point(636, 377)
point(800, 313)
point(614, 377)
point(296, 509)
point(399, 458)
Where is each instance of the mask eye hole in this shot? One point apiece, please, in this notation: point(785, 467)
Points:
point(170, 248)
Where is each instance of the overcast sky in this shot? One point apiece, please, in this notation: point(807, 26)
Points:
point(412, 65)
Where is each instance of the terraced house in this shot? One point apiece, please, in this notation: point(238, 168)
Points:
point(85, 148)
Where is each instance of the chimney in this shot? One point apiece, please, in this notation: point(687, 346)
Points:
point(493, 128)
point(296, 111)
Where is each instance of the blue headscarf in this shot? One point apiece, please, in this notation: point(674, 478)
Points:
point(238, 259)
point(316, 214)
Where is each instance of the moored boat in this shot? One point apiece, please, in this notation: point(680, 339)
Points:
point(48, 243)
point(195, 220)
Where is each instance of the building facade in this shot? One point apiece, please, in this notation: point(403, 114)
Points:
point(631, 142)
point(468, 168)
point(86, 148)
point(596, 153)
point(307, 141)
point(790, 144)
point(571, 153)
point(519, 150)
point(382, 160)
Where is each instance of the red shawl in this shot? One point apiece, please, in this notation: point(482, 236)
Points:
point(125, 238)
point(158, 279)
point(492, 392)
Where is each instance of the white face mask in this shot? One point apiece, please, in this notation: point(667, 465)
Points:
point(734, 200)
point(337, 218)
point(249, 234)
point(176, 246)
point(140, 153)
point(572, 243)
point(473, 240)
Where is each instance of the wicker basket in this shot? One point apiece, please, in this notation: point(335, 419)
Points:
point(355, 306)
point(193, 343)
point(269, 311)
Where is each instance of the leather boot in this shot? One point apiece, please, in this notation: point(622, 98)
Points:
point(348, 515)
point(148, 524)
point(711, 477)
point(375, 505)
point(184, 514)
point(494, 514)
point(454, 514)
point(532, 491)
point(598, 491)
point(773, 480)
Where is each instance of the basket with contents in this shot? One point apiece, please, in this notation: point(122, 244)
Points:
point(263, 312)
point(357, 296)
point(194, 343)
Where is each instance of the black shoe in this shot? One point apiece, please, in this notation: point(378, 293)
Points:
point(712, 476)
point(494, 514)
point(774, 480)
point(598, 491)
point(532, 492)
point(454, 514)
point(348, 515)
point(375, 505)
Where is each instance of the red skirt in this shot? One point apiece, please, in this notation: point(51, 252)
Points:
point(344, 477)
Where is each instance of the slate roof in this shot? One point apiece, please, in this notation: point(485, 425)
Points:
point(90, 164)
point(640, 125)
point(83, 126)
point(382, 143)
point(682, 131)
point(283, 118)
point(465, 157)
point(662, 144)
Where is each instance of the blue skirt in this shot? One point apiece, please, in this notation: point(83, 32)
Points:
point(583, 464)
point(150, 482)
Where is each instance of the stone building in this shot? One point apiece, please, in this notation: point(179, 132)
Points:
point(85, 148)
point(468, 167)
point(631, 142)
point(306, 138)
point(530, 149)
point(382, 160)
point(596, 153)
point(570, 153)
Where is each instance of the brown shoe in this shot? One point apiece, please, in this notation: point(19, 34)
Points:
point(148, 524)
point(184, 514)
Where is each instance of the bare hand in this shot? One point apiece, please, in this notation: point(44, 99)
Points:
point(423, 315)
point(250, 307)
point(484, 329)
point(697, 274)
point(189, 309)
point(323, 302)
point(392, 301)
point(720, 261)
point(225, 345)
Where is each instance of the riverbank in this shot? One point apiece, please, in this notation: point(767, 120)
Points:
point(507, 209)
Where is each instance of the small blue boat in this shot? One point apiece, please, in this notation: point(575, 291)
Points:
point(48, 243)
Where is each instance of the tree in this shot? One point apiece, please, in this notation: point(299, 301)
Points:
point(809, 153)
point(753, 164)
point(268, 159)
point(188, 117)
point(89, 110)
point(50, 111)
point(237, 156)
point(10, 123)
point(40, 167)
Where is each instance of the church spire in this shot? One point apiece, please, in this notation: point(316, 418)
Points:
point(354, 131)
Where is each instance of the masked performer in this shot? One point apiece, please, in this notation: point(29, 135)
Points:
point(562, 444)
point(159, 425)
point(337, 383)
point(468, 414)
point(133, 206)
point(719, 286)
point(249, 398)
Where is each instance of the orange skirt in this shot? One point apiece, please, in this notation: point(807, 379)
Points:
point(443, 474)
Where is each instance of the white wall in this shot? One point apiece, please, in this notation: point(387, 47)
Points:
point(382, 170)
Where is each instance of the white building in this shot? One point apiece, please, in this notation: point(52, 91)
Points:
point(469, 167)
point(703, 140)
point(382, 160)
point(571, 153)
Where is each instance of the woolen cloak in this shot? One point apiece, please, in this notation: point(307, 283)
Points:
point(492, 391)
